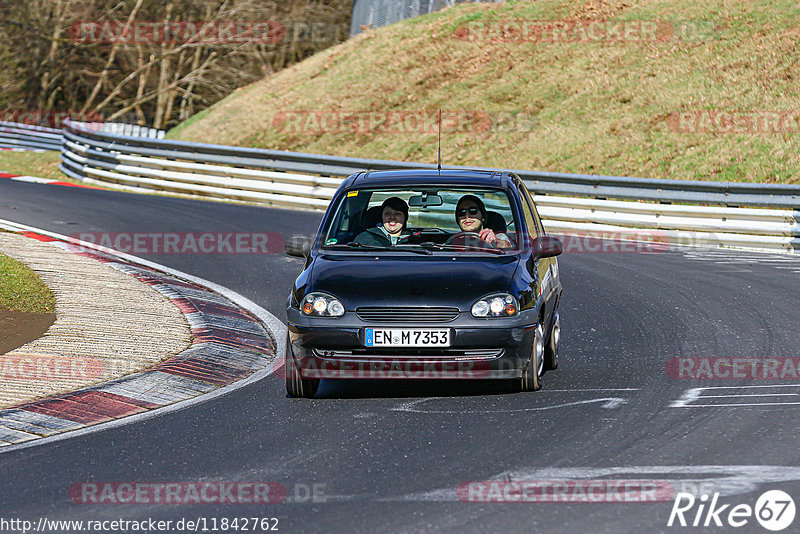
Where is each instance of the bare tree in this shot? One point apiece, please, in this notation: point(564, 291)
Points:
point(160, 81)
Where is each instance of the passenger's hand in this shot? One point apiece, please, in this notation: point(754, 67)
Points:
point(487, 234)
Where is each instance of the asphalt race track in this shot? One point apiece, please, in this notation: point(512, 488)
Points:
point(387, 456)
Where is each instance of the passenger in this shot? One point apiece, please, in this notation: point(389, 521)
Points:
point(392, 229)
point(471, 215)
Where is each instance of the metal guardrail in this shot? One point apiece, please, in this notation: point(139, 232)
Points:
point(376, 13)
point(647, 189)
point(680, 211)
point(14, 135)
point(133, 130)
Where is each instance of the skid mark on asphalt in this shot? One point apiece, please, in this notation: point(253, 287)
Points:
point(728, 480)
point(415, 406)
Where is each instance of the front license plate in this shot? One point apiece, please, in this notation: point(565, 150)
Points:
point(415, 337)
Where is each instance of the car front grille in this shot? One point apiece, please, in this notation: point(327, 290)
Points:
point(409, 354)
point(409, 314)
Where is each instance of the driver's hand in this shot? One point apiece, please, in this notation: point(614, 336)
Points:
point(487, 234)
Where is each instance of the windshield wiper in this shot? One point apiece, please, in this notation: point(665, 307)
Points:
point(361, 246)
point(413, 248)
point(430, 245)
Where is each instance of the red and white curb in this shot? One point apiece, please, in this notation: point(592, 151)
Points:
point(37, 180)
point(231, 347)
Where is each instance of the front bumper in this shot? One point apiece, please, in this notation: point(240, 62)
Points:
point(479, 349)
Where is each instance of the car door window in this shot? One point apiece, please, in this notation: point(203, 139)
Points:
point(532, 208)
point(530, 220)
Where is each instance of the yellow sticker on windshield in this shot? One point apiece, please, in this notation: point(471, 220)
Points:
point(352, 194)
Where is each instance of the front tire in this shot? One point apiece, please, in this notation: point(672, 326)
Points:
point(296, 385)
point(534, 368)
point(551, 349)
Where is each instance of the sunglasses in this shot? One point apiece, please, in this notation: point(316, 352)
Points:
point(463, 211)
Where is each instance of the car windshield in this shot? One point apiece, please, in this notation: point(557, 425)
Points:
point(371, 220)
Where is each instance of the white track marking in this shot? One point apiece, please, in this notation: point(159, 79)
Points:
point(595, 389)
point(412, 406)
point(750, 395)
point(32, 179)
point(744, 258)
point(691, 397)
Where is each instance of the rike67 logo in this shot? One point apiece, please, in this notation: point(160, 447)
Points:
point(774, 510)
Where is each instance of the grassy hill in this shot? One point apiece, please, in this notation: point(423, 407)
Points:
point(669, 99)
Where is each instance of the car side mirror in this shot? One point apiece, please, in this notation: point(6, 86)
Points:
point(298, 245)
point(546, 247)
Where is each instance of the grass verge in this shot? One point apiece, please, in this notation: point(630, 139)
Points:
point(22, 290)
point(41, 164)
point(633, 107)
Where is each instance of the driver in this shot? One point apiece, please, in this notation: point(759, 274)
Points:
point(392, 229)
point(471, 215)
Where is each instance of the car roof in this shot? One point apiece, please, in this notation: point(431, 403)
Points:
point(449, 177)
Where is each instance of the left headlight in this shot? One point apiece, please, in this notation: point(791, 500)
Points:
point(497, 305)
point(322, 305)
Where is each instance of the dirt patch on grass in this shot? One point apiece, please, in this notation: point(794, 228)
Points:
point(599, 9)
point(19, 328)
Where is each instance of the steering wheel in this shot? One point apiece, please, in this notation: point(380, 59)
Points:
point(468, 239)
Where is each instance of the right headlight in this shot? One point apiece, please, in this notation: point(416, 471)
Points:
point(321, 305)
point(497, 305)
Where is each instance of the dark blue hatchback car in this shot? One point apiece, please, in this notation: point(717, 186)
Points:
point(425, 274)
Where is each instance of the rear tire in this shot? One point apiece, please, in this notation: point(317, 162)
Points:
point(296, 385)
point(551, 349)
point(534, 368)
